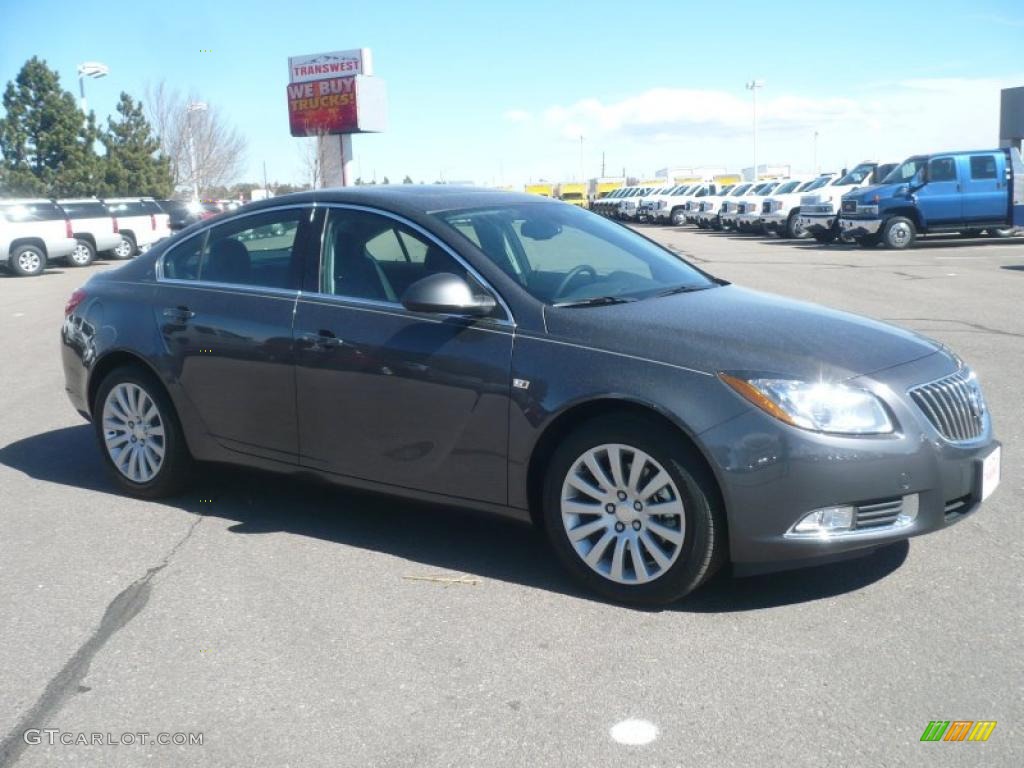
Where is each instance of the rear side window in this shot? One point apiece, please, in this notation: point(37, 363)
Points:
point(127, 209)
point(150, 206)
point(942, 169)
point(85, 210)
point(33, 212)
point(983, 167)
point(256, 250)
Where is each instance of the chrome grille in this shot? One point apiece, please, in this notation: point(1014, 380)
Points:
point(766, 207)
point(878, 513)
point(953, 405)
point(849, 206)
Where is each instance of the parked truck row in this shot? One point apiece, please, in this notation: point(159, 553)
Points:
point(970, 192)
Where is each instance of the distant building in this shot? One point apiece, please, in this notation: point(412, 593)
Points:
point(1011, 118)
point(767, 172)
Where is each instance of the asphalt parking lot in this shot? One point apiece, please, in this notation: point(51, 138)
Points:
point(296, 625)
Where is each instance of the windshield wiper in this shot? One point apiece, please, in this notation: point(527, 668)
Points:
point(682, 289)
point(594, 301)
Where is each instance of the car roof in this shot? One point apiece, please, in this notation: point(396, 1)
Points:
point(415, 198)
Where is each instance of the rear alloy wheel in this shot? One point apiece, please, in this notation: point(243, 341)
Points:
point(28, 260)
point(898, 233)
point(631, 513)
point(83, 255)
point(139, 433)
point(125, 249)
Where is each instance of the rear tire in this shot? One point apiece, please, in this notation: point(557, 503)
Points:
point(642, 558)
point(141, 440)
point(27, 260)
point(83, 255)
point(125, 249)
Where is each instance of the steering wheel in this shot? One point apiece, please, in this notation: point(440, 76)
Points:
point(575, 272)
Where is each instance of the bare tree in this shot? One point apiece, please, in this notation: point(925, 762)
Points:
point(203, 147)
point(311, 157)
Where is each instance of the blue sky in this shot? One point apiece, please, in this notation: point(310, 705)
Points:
point(500, 92)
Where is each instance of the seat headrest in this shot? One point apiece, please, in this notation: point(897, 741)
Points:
point(228, 262)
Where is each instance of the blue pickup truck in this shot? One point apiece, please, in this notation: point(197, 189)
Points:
point(966, 192)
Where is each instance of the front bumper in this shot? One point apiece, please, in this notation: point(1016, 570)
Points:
point(859, 227)
point(817, 225)
point(774, 222)
point(772, 475)
point(749, 220)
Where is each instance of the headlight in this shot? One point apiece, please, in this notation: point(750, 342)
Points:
point(817, 405)
point(869, 209)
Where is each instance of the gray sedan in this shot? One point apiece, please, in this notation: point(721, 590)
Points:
point(528, 358)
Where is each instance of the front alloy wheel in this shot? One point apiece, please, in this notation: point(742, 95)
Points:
point(623, 514)
point(631, 510)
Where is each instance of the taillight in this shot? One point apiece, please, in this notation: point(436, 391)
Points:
point(67, 228)
point(152, 221)
point(117, 229)
point(76, 298)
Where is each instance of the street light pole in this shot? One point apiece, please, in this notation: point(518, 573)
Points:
point(93, 69)
point(194, 106)
point(752, 86)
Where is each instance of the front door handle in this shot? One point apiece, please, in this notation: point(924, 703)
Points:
point(180, 314)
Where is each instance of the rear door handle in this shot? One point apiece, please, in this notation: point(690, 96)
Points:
point(322, 339)
point(181, 314)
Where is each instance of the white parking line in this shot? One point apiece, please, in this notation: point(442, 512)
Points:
point(634, 733)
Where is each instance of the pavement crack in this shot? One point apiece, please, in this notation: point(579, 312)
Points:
point(977, 327)
point(121, 610)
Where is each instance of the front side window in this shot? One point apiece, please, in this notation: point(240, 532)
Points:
point(257, 250)
point(905, 171)
point(942, 169)
point(370, 256)
point(566, 255)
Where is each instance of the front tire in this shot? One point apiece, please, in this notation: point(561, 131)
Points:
point(678, 217)
point(794, 229)
point(140, 438)
point(898, 233)
point(27, 260)
point(83, 255)
point(631, 511)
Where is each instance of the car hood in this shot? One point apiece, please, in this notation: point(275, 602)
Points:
point(865, 194)
point(732, 328)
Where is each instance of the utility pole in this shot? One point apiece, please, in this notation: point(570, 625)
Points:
point(602, 164)
point(752, 86)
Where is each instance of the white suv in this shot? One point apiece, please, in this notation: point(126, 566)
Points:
point(780, 213)
point(707, 211)
point(141, 223)
point(819, 210)
point(33, 232)
point(95, 229)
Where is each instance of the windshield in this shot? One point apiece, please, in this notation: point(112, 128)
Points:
point(763, 189)
point(724, 191)
point(565, 254)
point(905, 171)
point(789, 186)
point(817, 183)
point(740, 190)
point(857, 175)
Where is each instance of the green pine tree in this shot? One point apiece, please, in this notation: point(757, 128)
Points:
point(134, 164)
point(47, 144)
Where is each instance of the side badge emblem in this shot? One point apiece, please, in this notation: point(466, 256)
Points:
point(520, 383)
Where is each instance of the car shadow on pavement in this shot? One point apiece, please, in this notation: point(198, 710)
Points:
point(438, 537)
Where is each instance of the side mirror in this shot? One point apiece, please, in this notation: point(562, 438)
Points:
point(446, 293)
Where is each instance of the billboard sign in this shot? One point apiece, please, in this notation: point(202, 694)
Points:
point(337, 105)
point(317, 66)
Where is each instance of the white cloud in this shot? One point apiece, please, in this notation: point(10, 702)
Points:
point(664, 126)
point(517, 116)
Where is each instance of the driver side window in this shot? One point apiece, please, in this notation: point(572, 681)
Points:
point(942, 169)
